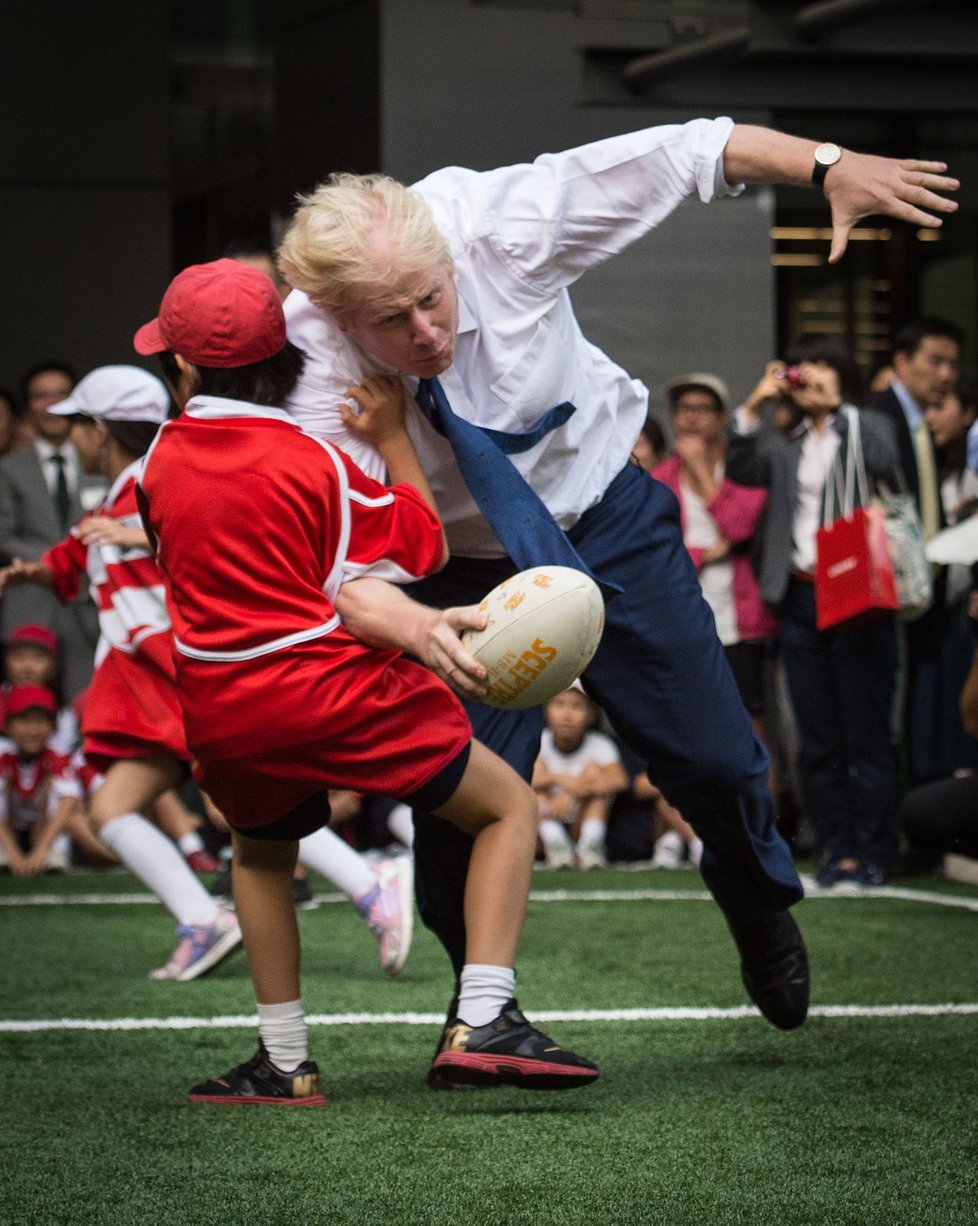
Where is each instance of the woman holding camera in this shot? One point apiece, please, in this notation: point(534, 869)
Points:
point(842, 681)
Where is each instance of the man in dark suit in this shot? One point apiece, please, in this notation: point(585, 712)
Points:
point(926, 360)
point(42, 493)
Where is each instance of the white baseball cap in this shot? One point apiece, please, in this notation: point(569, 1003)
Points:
point(710, 382)
point(117, 393)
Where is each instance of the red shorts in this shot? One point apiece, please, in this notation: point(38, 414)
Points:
point(132, 709)
point(271, 732)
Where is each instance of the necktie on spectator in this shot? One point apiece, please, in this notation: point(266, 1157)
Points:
point(515, 512)
point(930, 511)
point(61, 500)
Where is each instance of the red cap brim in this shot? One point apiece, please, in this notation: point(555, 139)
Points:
point(148, 340)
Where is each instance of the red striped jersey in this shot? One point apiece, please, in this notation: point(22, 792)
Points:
point(126, 584)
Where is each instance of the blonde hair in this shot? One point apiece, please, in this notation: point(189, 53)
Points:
point(356, 237)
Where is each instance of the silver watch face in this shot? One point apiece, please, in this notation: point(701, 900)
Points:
point(827, 154)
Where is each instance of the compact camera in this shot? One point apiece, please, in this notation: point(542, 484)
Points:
point(792, 376)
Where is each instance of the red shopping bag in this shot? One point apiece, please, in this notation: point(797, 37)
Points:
point(854, 578)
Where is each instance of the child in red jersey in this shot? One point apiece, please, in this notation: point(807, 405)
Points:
point(38, 791)
point(258, 526)
point(132, 723)
point(30, 657)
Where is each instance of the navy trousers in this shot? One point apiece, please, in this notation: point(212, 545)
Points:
point(842, 684)
point(662, 679)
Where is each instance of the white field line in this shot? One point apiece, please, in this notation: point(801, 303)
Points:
point(812, 892)
point(249, 1022)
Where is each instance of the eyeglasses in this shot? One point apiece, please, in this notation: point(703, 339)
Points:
point(700, 407)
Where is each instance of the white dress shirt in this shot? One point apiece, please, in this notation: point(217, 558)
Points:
point(700, 531)
point(72, 467)
point(520, 236)
point(911, 409)
point(815, 464)
point(818, 452)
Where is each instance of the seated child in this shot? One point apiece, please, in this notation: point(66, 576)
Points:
point(576, 776)
point(39, 794)
point(30, 657)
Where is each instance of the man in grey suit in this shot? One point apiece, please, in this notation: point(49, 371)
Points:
point(42, 493)
point(926, 362)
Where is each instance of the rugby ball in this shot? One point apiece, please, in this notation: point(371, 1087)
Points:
point(544, 625)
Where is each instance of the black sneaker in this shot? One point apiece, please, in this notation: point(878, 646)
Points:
point(774, 966)
point(260, 1083)
point(435, 1078)
point(509, 1051)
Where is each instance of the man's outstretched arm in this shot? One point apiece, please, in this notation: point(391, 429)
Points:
point(858, 185)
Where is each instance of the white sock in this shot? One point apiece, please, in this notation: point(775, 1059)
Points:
point(61, 846)
point(484, 991)
point(592, 831)
point(189, 843)
point(327, 854)
point(158, 864)
point(282, 1028)
point(401, 825)
point(553, 833)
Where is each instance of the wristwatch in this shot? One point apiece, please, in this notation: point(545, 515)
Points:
point(825, 156)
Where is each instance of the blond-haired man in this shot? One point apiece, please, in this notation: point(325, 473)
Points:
point(460, 286)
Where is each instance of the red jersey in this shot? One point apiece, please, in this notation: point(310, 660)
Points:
point(257, 525)
point(29, 789)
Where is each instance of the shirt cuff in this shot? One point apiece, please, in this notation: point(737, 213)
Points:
point(745, 423)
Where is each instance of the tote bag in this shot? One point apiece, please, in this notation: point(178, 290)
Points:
point(912, 571)
point(854, 578)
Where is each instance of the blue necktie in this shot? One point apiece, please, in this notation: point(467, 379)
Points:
point(515, 512)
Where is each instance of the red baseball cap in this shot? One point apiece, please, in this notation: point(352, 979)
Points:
point(35, 636)
point(222, 314)
point(28, 697)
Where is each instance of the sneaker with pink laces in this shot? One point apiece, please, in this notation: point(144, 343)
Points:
point(388, 909)
point(200, 948)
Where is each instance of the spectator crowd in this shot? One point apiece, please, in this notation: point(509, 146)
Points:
point(870, 727)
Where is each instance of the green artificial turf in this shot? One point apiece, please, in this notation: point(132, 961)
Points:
point(858, 1120)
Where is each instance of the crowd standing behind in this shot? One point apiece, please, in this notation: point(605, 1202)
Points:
point(723, 524)
point(726, 527)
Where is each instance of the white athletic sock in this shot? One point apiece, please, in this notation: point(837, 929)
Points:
point(401, 825)
point(158, 864)
point(484, 992)
point(189, 843)
point(282, 1028)
point(327, 854)
point(592, 832)
point(553, 833)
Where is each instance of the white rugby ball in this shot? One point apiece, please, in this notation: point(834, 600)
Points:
point(544, 626)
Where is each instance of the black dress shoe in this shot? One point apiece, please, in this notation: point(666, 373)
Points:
point(774, 966)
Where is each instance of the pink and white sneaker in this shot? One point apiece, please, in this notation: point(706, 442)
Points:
point(388, 909)
point(200, 948)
